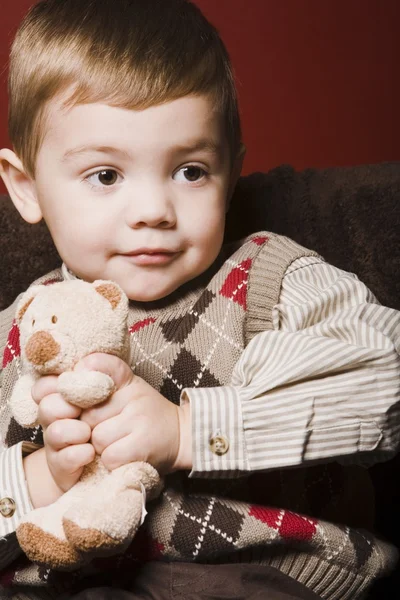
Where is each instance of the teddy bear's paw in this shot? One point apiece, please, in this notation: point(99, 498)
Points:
point(105, 526)
point(85, 388)
point(24, 409)
point(44, 548)
point(138, 475)
point(92, 542)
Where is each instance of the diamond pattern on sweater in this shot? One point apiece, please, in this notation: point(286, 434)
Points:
point(363, 544)
point(177, 330)
point(235, 285)
point(183, 373)
point(16, 433)
point(297, 527)
point(260, 240)
point(140, 324)
point(290, 526)
point(12, 349)
point(198, 527)
point(52, 280)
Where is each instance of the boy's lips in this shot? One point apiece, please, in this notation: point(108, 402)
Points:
point(151, 256)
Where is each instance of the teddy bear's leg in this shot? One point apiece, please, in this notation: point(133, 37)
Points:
point(42, 538)
point(107, 521)
point(41, 532)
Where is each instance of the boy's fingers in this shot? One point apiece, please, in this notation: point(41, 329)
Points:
point(106, 410)
point(72, 458)
point(108, 432)
point(120, 453)
point(43, 387)
point(113, 366)
point(66, 432)
point(54, 407)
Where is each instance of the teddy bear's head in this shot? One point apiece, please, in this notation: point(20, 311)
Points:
point(62, 322)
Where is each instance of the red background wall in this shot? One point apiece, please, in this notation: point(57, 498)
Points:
point(317, 79)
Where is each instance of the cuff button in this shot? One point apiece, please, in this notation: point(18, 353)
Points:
point(219, 444)
point(7, 507)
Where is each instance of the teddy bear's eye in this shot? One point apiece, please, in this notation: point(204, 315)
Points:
point(33, 322)
point(54, 319)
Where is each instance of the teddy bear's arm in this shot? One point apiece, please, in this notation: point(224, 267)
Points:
point(23, 407)
point(85, 388)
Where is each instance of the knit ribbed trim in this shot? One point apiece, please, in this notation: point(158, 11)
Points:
point(329, 580)
point(265, 281)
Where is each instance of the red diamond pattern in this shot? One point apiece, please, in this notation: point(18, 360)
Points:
point(50, 281)
point(260, 240)
point(140, 324)
point(235, 285)
point(12, 348)
point(290, 525)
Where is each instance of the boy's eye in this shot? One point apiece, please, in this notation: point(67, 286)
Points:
point(192, 173)
point(109, 177)
point(106, 177)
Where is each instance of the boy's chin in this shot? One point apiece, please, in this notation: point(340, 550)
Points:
point(149, 294)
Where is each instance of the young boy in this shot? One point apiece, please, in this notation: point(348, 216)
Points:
point(258, 372)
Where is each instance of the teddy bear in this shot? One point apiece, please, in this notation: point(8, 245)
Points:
point(60, 324)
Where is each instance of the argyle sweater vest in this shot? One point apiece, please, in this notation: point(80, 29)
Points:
point(295, 519)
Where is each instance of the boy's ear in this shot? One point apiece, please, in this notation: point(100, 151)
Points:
point(20, 186)
point(235, 172)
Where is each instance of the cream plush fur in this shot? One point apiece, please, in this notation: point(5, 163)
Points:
point(60, 324)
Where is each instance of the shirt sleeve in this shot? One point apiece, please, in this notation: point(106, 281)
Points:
point(14, 500)
point(323, 385)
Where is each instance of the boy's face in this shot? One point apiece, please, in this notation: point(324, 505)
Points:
point(124, 198)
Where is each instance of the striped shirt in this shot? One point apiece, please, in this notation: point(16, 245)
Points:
point(322, 385)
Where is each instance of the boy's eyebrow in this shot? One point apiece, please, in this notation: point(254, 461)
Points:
point(90, 149)
point(204, 144)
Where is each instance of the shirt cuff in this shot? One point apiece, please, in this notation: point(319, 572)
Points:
point(14, 496)
point(218, 443)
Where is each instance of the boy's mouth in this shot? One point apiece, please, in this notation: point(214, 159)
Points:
point(151, 256)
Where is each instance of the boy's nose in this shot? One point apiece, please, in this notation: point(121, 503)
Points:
point(154, 209)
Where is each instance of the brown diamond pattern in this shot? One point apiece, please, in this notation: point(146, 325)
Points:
point(177, 330)
point(184, 372)
point(16, 433)
point(197, 527)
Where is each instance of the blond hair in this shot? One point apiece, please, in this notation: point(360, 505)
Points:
point(126, 53)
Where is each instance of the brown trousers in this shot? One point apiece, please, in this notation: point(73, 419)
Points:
point(187, 581)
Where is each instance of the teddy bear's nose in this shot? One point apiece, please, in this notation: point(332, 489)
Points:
point(41, 348)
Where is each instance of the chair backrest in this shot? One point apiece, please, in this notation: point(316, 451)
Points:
point(350, 215)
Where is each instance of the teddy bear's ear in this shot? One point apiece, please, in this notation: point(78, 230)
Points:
point(25, 301)
point(110, 291)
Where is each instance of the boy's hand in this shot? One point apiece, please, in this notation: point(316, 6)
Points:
point(66, 438)
point(137, 423)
